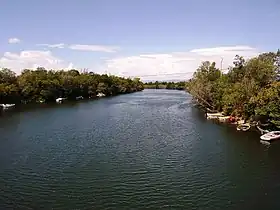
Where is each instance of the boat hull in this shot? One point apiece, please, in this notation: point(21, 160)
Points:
point(244, 127)
point(271, 136)
point(7, 106)
point(214, 115)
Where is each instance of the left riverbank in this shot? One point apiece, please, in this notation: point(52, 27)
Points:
point(45, 86)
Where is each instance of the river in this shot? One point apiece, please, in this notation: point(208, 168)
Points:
point(150, 149)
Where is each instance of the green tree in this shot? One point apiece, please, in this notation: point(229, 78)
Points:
point(43, 85)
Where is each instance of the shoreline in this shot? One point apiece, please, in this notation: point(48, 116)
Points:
point(67, 101)
point(265, 136)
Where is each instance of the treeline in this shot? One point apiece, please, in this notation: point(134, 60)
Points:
point(250, 89)
point(165, 85)
point(41, 85)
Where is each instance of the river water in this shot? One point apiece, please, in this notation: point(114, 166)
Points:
point(150, 149)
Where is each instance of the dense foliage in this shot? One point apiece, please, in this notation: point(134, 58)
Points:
point(250, 88)
point(42, 85)
point(165, 85)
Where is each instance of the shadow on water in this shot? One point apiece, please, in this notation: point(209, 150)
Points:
point(45, 106)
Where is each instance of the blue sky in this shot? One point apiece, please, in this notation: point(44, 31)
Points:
point(135, 38)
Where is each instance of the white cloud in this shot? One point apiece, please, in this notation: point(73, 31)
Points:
point(14, 41)
point(60, 45)
point(32, 60)
point(222, 50)
point(83, 47)
point(177, 65)
point(165, 66)
point(95, 48)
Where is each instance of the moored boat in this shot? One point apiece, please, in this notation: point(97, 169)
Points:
point(7, 106)
point(214, 115)
point(224, 119)
point(79, 98)
point(100, 95)
point(270, 136)
point(263, 131)
point(60, 100)
point(243, 127)
point(262, 128)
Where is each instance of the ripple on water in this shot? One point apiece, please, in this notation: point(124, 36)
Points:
point(145, 150)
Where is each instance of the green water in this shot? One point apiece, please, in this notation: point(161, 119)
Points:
point(146, 150)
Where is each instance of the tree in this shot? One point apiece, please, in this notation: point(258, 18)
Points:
point(43, 85)
point(250, 88)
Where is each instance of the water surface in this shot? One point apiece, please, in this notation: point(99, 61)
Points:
point(151, 149)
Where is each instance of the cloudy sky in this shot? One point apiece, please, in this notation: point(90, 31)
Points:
point(151, 39)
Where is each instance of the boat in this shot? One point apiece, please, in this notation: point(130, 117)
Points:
point(100, 95)
point(60, 100)
point(214, 115)
point(224, 119)
point(270, 136)
point(263, 131)
point(243, 127)
point(7, 106)
point(79, 97)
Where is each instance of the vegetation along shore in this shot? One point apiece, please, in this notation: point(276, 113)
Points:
point(41, 85)
point(165, 85)
point(250, 90)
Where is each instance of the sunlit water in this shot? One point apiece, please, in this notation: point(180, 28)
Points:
point(151, 149)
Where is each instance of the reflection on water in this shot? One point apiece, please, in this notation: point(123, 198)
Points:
point(151, 149)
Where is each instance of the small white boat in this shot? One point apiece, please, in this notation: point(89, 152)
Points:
point(7, 106)
point(100, 95)
point(273, 135)
point(243, 127)
point(79, 98)
point(214, 115)
point(60, 100)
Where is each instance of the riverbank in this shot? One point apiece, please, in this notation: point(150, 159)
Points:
point(41, 85)
point(249, 90)
point(267, 133)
